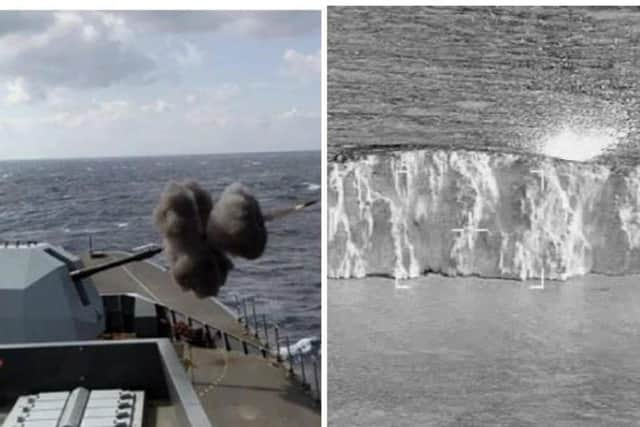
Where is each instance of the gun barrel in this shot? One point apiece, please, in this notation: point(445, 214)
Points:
point(279, 213)
point(139, 256)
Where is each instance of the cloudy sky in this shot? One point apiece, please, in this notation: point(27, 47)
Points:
point(87, 84)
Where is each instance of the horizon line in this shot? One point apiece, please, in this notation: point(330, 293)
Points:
point(27, 159)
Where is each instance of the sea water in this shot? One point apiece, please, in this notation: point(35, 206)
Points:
point(484, 77)
point(439, 351)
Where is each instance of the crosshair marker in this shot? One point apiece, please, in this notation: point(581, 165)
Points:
point(469, 230)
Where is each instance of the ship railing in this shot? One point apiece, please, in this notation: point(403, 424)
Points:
point(305, 367)
point(180, 327)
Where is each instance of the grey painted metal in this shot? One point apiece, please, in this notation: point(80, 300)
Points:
point(227, 345)
point(89, 271)
point(316, 376)
point(208, 337)
point(289, 355)
point(266, 331)
point(255, 317)
point(277, 332)
point(190, 409)
point(232, 341)
point(238, 310)
point(244, 309)
point(39, 301)
point(304, 377)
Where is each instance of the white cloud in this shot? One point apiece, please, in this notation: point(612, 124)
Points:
point(90, 33)
point(99, 114)
point(98, 49)
point(217, 95)
point(302, 66)
point(112, 78)
point(117, 28)
point(17, 92)
point(208, 116)
point(189, 55)
point(113, 110)
point(225, 92)
point(159, 106)
point(89, 49)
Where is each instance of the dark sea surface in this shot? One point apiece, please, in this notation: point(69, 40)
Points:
point(483, 352)
point(483, 77)
point(66, 201)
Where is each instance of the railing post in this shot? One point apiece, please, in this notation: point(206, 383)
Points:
point(238, 306)
point(246, 315)
point(174, 322)
point(315, 374)
point(207, 333)
point(244, 347)
point(289, 354)
point(226, 341)
point(277, 331)
point(304, 377)
point(255, 317)
point(266, 331)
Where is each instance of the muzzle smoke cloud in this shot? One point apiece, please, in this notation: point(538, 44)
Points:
point(181, 216)
point(198, 233)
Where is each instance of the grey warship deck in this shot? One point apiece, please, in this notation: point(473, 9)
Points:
point(235, 389)
point(151, 282)
point(249, 391)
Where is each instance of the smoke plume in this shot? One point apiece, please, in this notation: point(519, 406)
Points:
point(236, 224)
point(198, 234)
point(181, 216)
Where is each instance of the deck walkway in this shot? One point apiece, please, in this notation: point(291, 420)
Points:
point(236, 390)
point(150, 281)
point(250, 391)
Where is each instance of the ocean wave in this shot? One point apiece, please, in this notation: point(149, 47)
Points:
point(311, 186)
point(403, 214)
point(86, 231)
point(305, 347)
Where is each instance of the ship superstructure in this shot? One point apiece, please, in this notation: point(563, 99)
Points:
point(108, 323)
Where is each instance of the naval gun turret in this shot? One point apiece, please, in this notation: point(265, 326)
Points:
point(47, 295)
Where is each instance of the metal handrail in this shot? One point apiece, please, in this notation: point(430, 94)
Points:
point(251, 325)
point(210, 333)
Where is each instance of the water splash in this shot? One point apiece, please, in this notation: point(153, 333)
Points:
point(581, 145)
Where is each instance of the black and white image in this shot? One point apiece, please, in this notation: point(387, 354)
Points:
point(483, 216)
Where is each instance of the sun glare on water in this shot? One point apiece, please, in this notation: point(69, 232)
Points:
point(579, 145)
